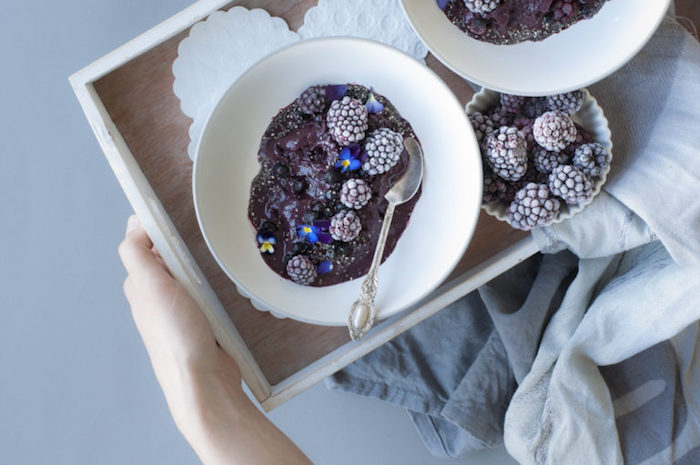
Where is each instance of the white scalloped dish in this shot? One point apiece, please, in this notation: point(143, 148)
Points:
point(590, 117)
point(226, 163)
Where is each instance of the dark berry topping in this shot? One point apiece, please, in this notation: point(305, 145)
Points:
point(268, 226)
point(343, 248)
point(300, 185)
point(317, 207)
point(332, 176)
point(280, 170)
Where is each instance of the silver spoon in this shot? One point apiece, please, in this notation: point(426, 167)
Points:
point(363, 312)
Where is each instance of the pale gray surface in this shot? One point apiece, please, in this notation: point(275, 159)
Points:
point(76, 386)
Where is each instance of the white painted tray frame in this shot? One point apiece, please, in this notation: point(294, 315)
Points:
point(178, 258)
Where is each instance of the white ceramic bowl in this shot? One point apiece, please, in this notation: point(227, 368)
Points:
point(441, 224)
point(584, 53)
point(590, 117)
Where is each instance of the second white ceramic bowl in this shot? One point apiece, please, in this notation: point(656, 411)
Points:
point(584, 53)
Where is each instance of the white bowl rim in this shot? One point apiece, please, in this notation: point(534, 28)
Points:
point(504, 90)
point(261, 301)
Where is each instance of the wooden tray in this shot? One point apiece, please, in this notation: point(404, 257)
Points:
point(128, 99)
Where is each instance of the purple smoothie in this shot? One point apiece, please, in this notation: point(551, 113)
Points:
point(297, 151)
point(514, 21)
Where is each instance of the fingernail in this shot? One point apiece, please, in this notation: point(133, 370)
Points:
point(132, 223)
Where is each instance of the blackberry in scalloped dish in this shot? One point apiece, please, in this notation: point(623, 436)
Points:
point(536, 159)
point(512, 21)
point(326, 162)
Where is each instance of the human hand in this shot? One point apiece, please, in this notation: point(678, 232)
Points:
point(201, 382)
point(177, 335)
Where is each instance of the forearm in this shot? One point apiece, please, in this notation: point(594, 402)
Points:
point(201, 383)
point(226, 428)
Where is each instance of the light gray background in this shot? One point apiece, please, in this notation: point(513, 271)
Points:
point(76, 386)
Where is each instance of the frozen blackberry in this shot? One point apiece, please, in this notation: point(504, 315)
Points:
point(564, 10)
point(499, 117)
point(533, 206)
point(571, 184)
point(592, 159)
point(582, 137)
point(481, 6)
point(355, 193)
point(524, 125)
point(483, 126)
point(495, 189)
point(512, 103)
point(554, 131)
point(313, 100)
point(301, 270)
point(347, 120)
point(506, 153)
point(383, 148)
point(545, 161)
point(534, 107)
point(569, 102)
point(345, 226)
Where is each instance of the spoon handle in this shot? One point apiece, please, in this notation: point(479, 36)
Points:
point(363, 312)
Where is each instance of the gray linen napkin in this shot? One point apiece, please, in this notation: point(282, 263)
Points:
point(546, 327)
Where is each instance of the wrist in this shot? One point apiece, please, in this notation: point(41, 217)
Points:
point(198, 392)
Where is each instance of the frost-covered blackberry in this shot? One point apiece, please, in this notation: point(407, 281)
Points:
point(512, 103)
point(569, 102)
point(347, 120)
point(554, 131)
point(571, 184)
point(545, 161)
point(592, 159)
point(534, 107)
point(345, 226)
point(481, 6)
point(301, 270)
point(533, 206)
point(506, 153)
point(355, 193)
point(313, 100)
point(483, 126)
point(495, 189)
point(383, 148)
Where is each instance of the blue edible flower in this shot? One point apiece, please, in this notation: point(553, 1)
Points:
point(442, 4)
point(336, 92)
point(309, 232)
point(349, 158)
point(372, 104)
point(315, 232)
point(267, 242)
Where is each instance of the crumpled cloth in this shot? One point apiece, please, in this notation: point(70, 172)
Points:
point(589, 353)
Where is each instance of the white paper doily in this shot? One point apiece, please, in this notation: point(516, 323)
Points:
point(216, 52)
point(226, 44)
point(380, 20)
